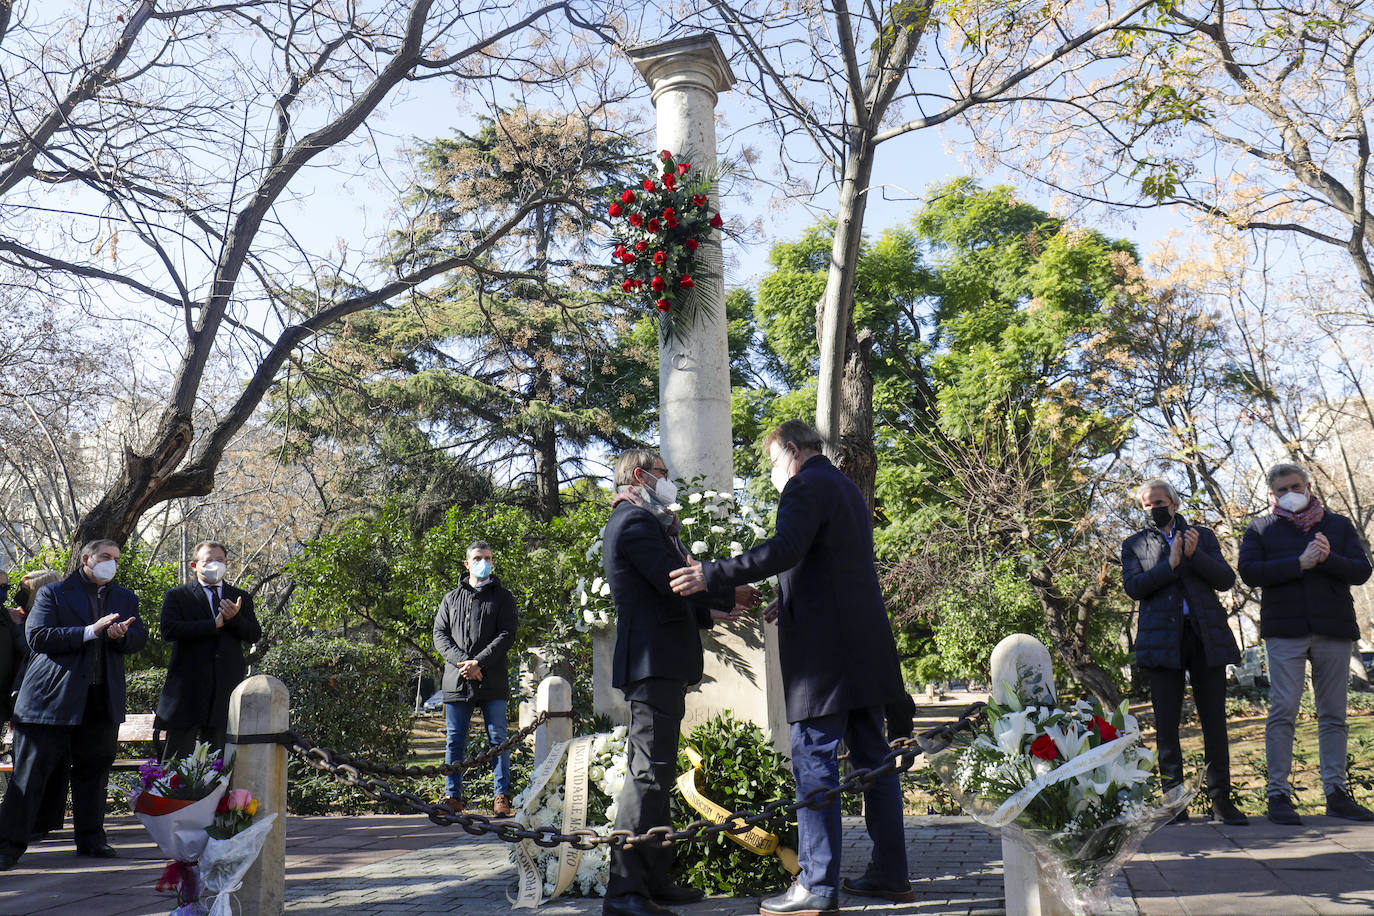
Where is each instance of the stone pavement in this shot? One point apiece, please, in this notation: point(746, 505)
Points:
point(380, 865)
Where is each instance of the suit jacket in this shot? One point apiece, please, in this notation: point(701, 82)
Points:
point(1162, 590)
point(207, 661)
point(57, 678)
point(1294, 601)
point(834, 639)
point(656, 630)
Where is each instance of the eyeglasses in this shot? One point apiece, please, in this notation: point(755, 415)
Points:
point(662, 472)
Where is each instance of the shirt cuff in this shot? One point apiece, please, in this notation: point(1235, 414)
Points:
point(89, 633)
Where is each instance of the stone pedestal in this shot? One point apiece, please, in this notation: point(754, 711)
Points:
point(606, 700)
point(1024, 888)
point(686, 77)
point(261, 706)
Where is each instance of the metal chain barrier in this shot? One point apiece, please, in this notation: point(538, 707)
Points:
point(291, 741)
point(900, 758)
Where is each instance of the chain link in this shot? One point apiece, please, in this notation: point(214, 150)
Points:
point(900, 758)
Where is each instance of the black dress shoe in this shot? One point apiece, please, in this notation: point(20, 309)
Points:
point(1224, 810)
point(798, 901)
point(103, 851)
point(633, 905)
point(872, 886)
point(8, 862)
point(677, 894)
point(1281, 810)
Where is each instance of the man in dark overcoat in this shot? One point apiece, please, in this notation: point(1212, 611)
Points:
point(1304, 558)
point(839, 663)
point(1175, 570)
point(210, 624)
point(71, 700)
point(473, 630)
point(657, 657)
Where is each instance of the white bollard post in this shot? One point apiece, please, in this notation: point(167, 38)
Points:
point(1021, 663)
point(554, 696)
point(261, 706)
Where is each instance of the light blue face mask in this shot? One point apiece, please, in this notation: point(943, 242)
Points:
point(481, 569)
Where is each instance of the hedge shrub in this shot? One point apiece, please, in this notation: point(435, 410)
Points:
point(347, 696)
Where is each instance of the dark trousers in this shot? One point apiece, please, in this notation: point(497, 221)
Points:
point(815, 765)
point(178, 742)
point(1209, 695)
point(656, 708)
point(38, 751)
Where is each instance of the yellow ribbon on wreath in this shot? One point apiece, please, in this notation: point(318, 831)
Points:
point(755, 839)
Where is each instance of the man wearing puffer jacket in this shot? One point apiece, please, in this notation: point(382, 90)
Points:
point(1175, 570)
point(1304, 558)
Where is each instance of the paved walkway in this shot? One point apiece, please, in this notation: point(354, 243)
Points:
point(387, 865)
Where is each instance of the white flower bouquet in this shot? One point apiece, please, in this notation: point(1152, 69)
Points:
point(544, 804)
point(1073, 783)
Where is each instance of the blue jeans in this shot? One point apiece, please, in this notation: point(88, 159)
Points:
point(819, 832)
point(457, 716)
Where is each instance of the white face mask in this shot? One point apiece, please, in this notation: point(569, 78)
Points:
point(212, 570)
point(104, 571)
point(665, 491)
point(1292, 501)
point(779, 474)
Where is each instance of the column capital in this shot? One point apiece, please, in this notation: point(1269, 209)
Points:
point(696, 60)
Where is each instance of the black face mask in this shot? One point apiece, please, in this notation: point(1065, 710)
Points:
point(1161, 516)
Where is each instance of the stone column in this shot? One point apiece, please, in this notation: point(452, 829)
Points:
point(686, 77)
point(261, 706)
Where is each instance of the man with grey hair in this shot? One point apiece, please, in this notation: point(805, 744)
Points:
point(1175, 570)
point(1304, 559)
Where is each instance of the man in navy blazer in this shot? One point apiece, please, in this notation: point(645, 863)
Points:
point(72, 699)
point(839, 663)
point(658, 656)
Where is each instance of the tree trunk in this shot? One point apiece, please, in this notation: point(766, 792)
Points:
point(1063, 619)
point(844, 392)
point(548, 505)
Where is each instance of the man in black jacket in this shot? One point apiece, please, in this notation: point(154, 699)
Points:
point(839, 663)
point(1304, 559)
point(657, 656)
point(209, 624)
point(71, 700)
point(1175, 571)
point(473, 629)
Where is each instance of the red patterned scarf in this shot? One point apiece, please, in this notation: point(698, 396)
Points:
point(1308, 518)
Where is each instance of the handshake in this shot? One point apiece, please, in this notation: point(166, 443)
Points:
point(690, 580)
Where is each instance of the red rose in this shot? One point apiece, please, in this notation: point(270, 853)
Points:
point(1044, 748)
point(665, 155)
point(639, 284)
point(627, 196)
point(175, 781)
point(683, 167)
point(717, 222)
point(659, 258)
point(686, 282)
point(698, 199)
point(649, 185)
point(663, 305)
point(1105, 730)
point(670, 222)
point(657, 284)
point(691, 244)
point(669, 181)
point(615, 209)
point(628, 258)
point(636, 219)
point(628, 286)
point(669, 211)
point(641, 246)
point(654, 225)
point(223, 806)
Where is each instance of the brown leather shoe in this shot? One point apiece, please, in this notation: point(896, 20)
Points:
point(502, 806)
point(453, 804)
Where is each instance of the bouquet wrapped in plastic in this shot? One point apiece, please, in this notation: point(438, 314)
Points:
point(176, 802)
point(227, 859)
point(1073, 783)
